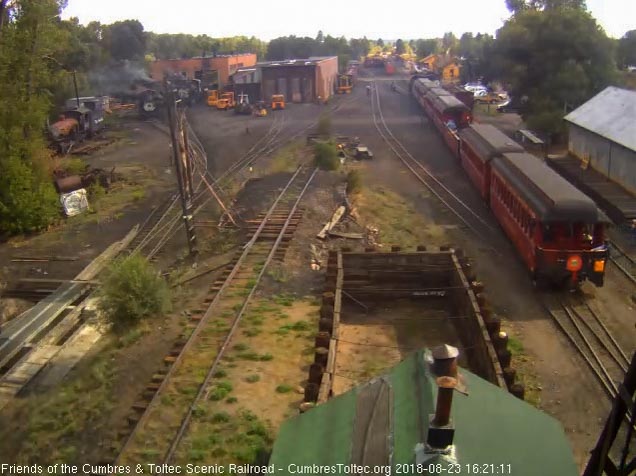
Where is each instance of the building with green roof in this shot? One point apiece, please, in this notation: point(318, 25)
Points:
point(388, 424)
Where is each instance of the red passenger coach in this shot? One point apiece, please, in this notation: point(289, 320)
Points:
point(421, 87)
point(446, 109)
point(557, 230)
point(480, 143)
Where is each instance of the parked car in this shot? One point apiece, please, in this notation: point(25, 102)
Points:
point(490, 97)
point(510, 106)
point(473, 87)
point(363, 152)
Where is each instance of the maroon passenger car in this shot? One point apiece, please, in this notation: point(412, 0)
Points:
point(480, 143)
point(558, 231)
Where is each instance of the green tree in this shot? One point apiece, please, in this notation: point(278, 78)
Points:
point(131, 291)
point(450, 43)
point(518, 6)
point(400, 47)
point(359, 47)
point(320, 37)
point(380, 42)
point(579, 64)
point(423, 48)
point(627, 49)
point(29, 38)
point(125, 40)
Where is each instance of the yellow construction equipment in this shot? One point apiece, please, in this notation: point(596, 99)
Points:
point(345, 84)
point(213, 97)
point(226, 101)
point(278, 102)
point(259, 109)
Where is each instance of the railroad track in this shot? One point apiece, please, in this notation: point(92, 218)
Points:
point(159, 422)
point(464, 213)
point(623, 261)
point(586, 331)
point(165, 223)
point(170, 218)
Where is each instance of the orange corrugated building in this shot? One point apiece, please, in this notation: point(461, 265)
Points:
point(193, 68)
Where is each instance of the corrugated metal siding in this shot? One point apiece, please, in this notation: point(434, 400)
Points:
point(295, 82)
point(623, 167)
point(281, 87)
point(269, 88)
point(296, 96)
point(610, 159)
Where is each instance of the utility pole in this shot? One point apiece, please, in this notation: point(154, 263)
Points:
point(181, 160)
point(75, 85)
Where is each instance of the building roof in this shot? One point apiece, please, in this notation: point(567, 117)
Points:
point(313, 60)
point(610, 114)
point(487, 141)
point(381, 422)
point(551, 197)
point(205, 57)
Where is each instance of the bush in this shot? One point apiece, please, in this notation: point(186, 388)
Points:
point(28, 201)
point(326, 155)
point(354, 181)
point(131, 291)
point(73, 166)
point(324, 125)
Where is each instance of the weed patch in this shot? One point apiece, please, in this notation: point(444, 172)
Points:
point(284, 388)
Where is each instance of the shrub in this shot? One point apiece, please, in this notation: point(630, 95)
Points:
point(284, 388)
point(132, 291)
point(354, 181)
point(28, 201)
point(326, 155)
point(73, 166)
point(324, 125)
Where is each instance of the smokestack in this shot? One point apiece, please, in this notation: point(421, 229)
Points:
point(445, 388)
point(445, 360)
point(440, 429)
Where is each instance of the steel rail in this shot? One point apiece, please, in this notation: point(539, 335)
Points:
point(583, 354)
point(206, 316)
point(623, 255)
point(400, 156)
point(425, 169)
point(204, 391)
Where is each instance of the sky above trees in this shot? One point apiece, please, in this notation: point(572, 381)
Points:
point(354, 18)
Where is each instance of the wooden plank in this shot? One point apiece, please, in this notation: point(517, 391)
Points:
point(339, 234)
point(93, 269)
point(335, 218)
point(325, 388)
point(337, 306)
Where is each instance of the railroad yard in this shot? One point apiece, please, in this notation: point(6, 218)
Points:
point(419, 260)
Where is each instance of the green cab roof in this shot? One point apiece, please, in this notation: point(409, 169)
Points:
point(382, 422)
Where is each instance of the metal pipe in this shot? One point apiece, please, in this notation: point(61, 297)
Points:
point(445, 388)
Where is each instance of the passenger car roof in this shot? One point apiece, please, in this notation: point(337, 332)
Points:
point(488, 141)
point(551, 196)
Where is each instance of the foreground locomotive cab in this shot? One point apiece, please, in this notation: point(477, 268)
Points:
point(558, 231)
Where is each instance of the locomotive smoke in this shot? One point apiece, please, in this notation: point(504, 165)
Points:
point(119, 78)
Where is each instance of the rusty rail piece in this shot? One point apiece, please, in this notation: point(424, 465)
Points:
point(455, 204)
point(177, 358)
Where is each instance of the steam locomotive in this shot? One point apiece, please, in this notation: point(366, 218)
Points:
point(81, 118)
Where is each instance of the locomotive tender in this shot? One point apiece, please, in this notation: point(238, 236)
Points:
point(558, 231)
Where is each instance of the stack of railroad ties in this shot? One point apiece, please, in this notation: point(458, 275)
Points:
point(558, 231)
